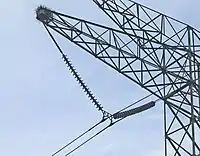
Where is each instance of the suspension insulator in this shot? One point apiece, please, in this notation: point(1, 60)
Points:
point(82, 84)
point(134, 110)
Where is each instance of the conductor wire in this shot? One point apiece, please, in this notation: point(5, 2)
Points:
point(78, 137)
point(95, 135)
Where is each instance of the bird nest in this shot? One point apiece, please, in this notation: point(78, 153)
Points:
point(44, 14)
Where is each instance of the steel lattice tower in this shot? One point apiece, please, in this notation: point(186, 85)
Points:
point(155, 51)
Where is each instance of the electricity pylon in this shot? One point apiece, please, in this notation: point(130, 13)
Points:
point(155, 51)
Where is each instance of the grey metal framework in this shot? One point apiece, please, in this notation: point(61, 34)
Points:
point(155, 51)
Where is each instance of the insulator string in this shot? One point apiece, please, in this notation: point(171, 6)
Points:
point(134, 110)
point(77, 77)
point(136, 102)
point(82, 84)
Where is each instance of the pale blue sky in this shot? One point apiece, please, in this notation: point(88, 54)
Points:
point(41, 105)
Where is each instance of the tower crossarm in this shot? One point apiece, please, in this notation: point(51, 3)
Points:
point(119, 51)
point(168, 70)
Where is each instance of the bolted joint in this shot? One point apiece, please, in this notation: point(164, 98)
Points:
point(43, 14)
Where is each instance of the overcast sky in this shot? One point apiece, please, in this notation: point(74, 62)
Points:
point(41, 105)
